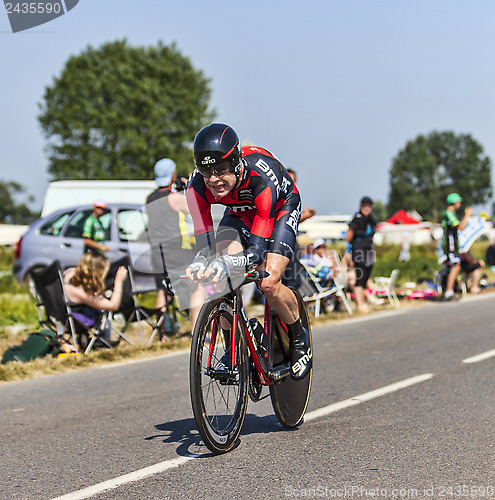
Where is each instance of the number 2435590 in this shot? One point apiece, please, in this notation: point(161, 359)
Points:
point(33, 7)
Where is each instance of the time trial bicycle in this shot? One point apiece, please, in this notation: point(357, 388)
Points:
point(233, 357)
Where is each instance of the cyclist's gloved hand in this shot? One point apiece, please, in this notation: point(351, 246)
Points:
point(198, 265)
point(223, 266)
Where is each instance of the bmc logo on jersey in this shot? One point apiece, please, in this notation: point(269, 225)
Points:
point(208, 160)
point(264, 167)
point(294, 217)
point(242, 208)
point(24, 14)
point(245, 195)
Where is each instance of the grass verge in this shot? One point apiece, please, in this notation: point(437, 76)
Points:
point(15, 370)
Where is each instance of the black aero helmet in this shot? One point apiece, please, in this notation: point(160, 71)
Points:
point(214, 145)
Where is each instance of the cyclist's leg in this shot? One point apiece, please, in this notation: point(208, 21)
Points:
point(278, 295)
point(232, 237)
point(284, 302)
point(233, 233)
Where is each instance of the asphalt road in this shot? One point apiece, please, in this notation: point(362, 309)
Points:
point(131, 425)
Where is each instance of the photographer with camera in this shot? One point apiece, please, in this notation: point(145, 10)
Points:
point(167, 209)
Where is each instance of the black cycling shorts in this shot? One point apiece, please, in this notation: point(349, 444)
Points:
point(234, 226)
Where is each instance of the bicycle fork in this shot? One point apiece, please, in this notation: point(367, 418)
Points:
point(229, 376)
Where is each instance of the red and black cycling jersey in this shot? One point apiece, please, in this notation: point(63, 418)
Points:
point(264, 194)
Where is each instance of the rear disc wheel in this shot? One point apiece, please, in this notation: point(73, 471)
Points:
point(289, 397)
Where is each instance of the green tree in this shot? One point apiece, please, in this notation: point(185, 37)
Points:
point(432, 166)
point(115, 110)
point(12, 211)
point(379, 211)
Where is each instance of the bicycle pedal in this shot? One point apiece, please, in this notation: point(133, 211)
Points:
point(279, 373)
point(225, 377)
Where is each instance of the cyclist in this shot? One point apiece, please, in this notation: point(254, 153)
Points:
point(258, 227)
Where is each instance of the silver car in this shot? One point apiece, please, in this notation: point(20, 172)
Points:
point(59, 236)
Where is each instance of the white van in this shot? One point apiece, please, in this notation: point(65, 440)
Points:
point(63, 194)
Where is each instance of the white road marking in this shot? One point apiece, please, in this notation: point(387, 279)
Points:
point(176, 462)
point(127, 478)
point(480, 357)
point(327, 410)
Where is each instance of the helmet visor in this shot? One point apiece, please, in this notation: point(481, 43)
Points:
point(217, 169)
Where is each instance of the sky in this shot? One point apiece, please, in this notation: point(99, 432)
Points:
point(334, 89)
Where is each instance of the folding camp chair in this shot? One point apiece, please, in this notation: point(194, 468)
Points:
point(55, 311)
point(387, 285)
point(313, 291)
point(131, 310)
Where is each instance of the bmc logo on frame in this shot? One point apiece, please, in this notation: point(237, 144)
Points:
point(26, 14)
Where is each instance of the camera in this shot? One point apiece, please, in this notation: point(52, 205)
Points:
point(180, 184)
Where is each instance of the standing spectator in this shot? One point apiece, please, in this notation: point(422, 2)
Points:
point(167, 209)
point(93, 231)
point(360, 235)
point(451, 225)
point(404, 254)
point(291, 276)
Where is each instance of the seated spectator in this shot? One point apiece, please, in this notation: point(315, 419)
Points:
point(490, 254)
point(305, 244)
point(470, 265)
point(85, 287)
point(319, 260)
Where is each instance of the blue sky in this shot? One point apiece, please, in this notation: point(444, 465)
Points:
point(334, 88)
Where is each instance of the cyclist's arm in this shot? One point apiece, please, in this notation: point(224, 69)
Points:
point(261, 231)
point(262, 227)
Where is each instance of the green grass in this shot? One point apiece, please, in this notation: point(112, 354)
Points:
point(16, 370)
point(17, 305)
point(18, 308)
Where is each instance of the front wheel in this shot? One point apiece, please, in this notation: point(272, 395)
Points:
point(289, 397)
point(219, 401)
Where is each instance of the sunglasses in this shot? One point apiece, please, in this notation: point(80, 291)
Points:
point(218, 170)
